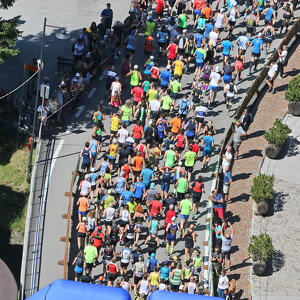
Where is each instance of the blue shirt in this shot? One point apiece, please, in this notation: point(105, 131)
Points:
point(199, 56)
point(198, 38)
point(269, 14)
point(190, 132)
point(173, 35)
point(139, 188)
point(208, 28)
point(164, 273)
point(165, 78)
point(120, 184)
point(147, 175)
point(148, 68)
point(127, 195)
point(227, 177)
point(218, 197)
point(208, 140)
point(162, 37)
point(227, 45)
point(184, 105)
point(160, 130)
point(257, 43)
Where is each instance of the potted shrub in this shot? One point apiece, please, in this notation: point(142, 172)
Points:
point(262, 192)
point(292, 94)
point(276, 136)
point(260, 249)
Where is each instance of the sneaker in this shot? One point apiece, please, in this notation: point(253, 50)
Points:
point(250, 72)
point(228, 270)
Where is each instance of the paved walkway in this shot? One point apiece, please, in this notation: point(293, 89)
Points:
point(8, 286)
point(240, 206)
point(282, 224)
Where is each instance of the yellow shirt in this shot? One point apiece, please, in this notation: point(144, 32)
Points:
point(178, 68)
point(114, 123)
point(113, 150)
point(154, 278)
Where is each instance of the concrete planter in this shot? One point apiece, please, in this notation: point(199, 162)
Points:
point(263, 208)
point(259, 267)
point(273, 151)
point(294, 108)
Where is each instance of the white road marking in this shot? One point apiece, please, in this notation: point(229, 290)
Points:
point(56, 153)
point(79, 111)
point(92, 92)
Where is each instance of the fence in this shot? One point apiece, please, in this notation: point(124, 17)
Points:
point(253, 91)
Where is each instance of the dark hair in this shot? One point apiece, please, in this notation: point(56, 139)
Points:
point(87, 144)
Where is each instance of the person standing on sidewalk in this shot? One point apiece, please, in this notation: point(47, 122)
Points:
point(226, 182)
point(237, 138)
point(226, 244)
point(271, 77)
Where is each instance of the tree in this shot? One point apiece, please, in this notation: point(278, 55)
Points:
point(9, 33)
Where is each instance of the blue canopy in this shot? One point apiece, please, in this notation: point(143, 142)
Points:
point(158, 295)
point(72, 290)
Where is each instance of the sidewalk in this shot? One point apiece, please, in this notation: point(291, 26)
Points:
point(240, 206)
point(282, 224)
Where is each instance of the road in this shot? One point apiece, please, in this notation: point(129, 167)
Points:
point(77, 128)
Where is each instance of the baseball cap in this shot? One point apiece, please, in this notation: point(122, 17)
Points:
point(92, 170)
point(84, 219)
point(109, 191)
point(136, 67)
point(222, 10)
point(77, 74)
point(152, 255)
point(86, 176)
point(122, 173)
point(180, 163)
point(168, 67)
point(151, 57)
point(173, 219)
point(259, 34)
point(99, 228)
point(184, 31)
point(217, 69)
point(152, 185)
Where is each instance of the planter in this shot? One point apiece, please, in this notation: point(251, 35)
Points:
point(263, 207)
point(294, 108)
point(273, 151)
point(259, 267)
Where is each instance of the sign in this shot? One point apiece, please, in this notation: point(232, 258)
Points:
point(45, 91)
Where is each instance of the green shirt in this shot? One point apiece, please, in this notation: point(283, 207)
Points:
point(152, 94)
point(131, 207)
point(134, 79)
point(189, 158)
point(170, 158)
point(182, 185)
point(90, 253)
point(185, 205)
point(175, 86)
point(126, 113)
point(166, 102)
point(182, 21)
point(108, 199)
point(149, 27)
point(147, 86)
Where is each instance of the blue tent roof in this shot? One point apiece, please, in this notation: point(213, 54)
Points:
point(158, 295)
point(72, 290)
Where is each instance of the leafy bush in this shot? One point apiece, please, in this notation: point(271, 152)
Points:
point(262, 188)
point(277, 134)
point(261, 247)
point(292, 93)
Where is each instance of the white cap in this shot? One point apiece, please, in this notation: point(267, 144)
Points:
point(184, 31)
point(217, 69)
point(92, 170)
point(173, 219)
point(180, 163)
point(168, 67)
point(259, 34)
point(151, 57)
point(222, 10)
point(136, 67)
point(77, 75)
point(86, 176)
point(84, 219)
point(150, 122)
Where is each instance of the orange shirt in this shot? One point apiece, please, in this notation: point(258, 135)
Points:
point(82, 228)
point(126, 169)
point(83, 203)
point(207, 11)
point(149, 44)
point(138, 163)
point(175, 122)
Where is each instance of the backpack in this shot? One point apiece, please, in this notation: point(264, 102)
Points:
point(191, 126)
point(251, 118)
point(231, 88)
point(181, 41)
point(79, 262)
point(149, 131)
point(206, 73)
point(184, 106)
point(228, 70)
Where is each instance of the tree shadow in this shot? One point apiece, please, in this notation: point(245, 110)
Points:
point(242, 197)
point(277, 203)
point(278, 260)
point(293, 148)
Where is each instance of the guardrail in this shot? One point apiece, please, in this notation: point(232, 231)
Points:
point(253, 91)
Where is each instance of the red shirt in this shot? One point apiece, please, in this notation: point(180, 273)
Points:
point(112, 268)
point(196, 148)
point(142, 149)
point(198, 4)
point(180, 141)
point(197, 187)
point(155, 72)
point(137, 131)
point(156, 207)
point(159, 6)
point(98, 241)
point(169, 215)
point(172, 51)
point(137, 94)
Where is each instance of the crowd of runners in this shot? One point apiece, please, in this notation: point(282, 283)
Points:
point(139, 191)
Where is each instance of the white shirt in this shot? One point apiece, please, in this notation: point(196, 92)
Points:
point(223, 282)
point(123, 134)
point(201, 111)
point(283, 56)
point(232, 14)
point(213, 36)
point(115, 87)
point(215, 77)
point(85, 187)
point(154, 105)
point(273, 70)
point(219, 20)
point(228, 93)
point(226, 160)
point(243, 41)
